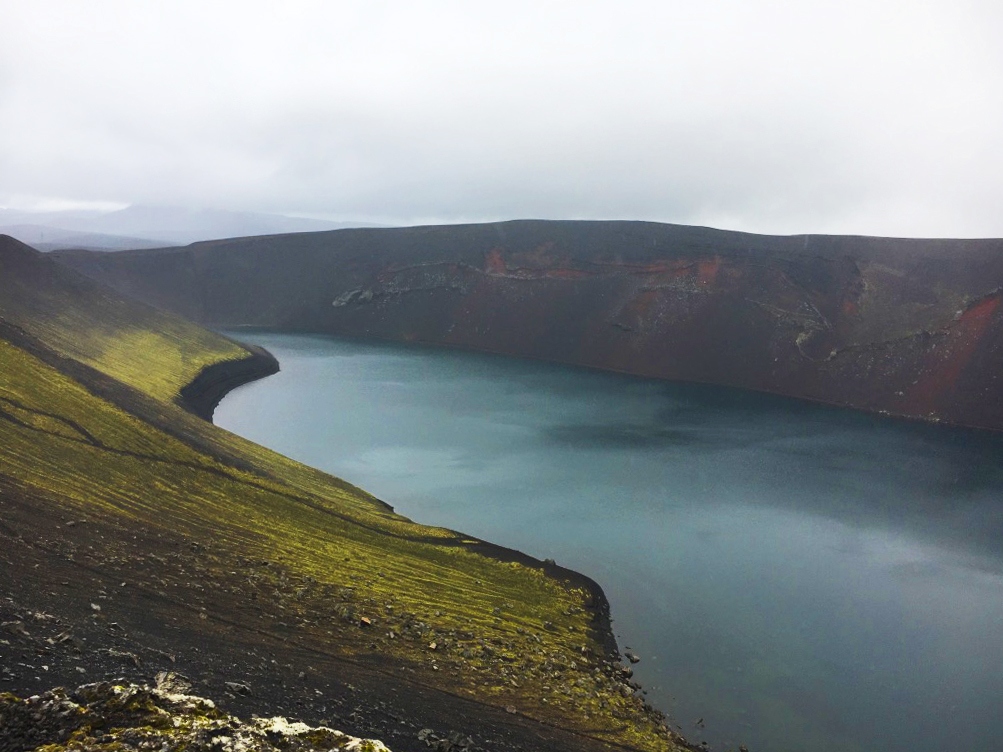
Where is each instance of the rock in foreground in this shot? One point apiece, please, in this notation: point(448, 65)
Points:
point(124, 717)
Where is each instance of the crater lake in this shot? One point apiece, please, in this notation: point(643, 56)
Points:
point(793, 576)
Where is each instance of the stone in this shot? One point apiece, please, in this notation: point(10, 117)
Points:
point(134, 717)
point(173, 683)
point(238, 688)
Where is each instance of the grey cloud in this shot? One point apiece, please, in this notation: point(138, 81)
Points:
point(802, 117)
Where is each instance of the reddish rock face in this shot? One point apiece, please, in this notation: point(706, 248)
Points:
point(909, 327)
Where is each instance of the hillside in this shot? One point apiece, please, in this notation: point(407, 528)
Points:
point(906, 327)
point(136, 537)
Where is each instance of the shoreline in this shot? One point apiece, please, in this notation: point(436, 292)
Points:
point(904, 418)
point(203, 393)
point(201, 396)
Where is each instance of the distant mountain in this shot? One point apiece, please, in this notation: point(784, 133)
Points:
point(152, 226)
point(48, 238)
point(12, 217)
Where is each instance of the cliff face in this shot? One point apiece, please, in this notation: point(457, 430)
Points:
point(909, 327)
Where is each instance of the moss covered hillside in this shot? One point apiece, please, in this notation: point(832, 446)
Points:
point(146, 532)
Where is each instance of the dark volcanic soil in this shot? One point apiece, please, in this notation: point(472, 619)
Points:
point(88, 601)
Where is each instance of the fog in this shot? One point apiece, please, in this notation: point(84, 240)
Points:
point(820, 116)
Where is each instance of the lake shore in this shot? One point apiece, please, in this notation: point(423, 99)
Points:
point(213, 383)
point(203, 393)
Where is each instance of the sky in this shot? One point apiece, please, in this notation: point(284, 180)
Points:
point(826, 116)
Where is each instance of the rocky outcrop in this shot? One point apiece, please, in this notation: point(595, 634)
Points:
point(907, 327)
point(123, 716)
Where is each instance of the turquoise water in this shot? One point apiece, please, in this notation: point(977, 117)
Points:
point(796, 576)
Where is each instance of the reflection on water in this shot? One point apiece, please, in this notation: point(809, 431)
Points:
point(802, 578)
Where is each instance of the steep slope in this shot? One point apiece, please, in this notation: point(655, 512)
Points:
point(137, 537)
point(908, 327)
point(145, 348)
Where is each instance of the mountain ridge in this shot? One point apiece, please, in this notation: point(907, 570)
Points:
point(908, 327)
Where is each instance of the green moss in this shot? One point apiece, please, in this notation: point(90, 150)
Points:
point(158, 363)
point(143, 347)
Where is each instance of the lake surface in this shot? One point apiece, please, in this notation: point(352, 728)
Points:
point(799, 577)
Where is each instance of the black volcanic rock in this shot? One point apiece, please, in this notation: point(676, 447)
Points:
point(907, 327)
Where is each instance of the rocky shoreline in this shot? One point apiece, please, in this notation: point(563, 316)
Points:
point(205, 391)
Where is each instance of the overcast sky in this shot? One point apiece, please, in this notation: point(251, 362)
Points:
point(871, 117)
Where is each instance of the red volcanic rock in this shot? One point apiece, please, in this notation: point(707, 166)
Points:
point(907, 327)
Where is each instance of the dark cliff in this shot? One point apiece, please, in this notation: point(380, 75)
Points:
point(908, 327)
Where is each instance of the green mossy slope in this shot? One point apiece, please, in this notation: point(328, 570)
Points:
point(148, 349)
point(344, 573)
